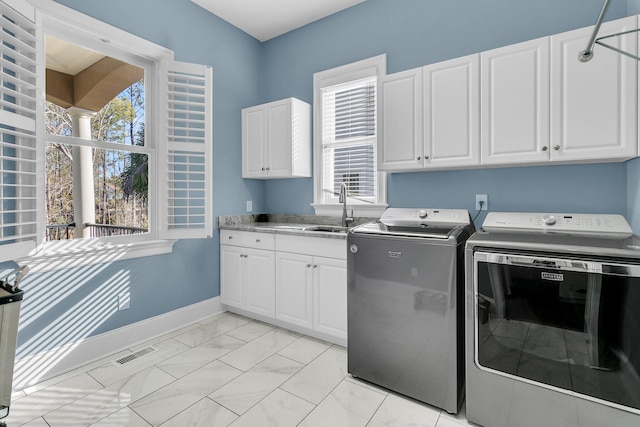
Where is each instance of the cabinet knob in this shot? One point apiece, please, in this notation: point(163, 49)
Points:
point(230, 237)
point(263, 169)
point(315, 266)
point(556, 147)
point(257, 240)
point(426, 157)
point(268, 168)
point(418, 157)
point(545, 148)
point(308, 265)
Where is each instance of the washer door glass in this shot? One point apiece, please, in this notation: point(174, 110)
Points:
point(570, 324)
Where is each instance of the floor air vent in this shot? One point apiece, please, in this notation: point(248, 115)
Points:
point(133, 356)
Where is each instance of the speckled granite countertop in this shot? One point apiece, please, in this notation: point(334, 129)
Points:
point(301, 225)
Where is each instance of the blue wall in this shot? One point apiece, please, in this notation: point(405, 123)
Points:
point(418, 32)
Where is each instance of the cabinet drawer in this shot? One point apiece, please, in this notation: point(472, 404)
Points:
point(315, 246)
point(247, 239)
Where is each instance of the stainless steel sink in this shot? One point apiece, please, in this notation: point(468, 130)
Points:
point(302, 227)
point(326, 228)
point(284, 227)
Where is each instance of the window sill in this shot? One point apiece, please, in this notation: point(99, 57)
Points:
point(359, 210)
point(78, 253)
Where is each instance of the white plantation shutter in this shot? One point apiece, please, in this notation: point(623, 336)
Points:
point(189, 147)
point(349, 140)
point(21, 226)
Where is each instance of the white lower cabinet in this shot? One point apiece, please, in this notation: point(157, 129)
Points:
point(248, 279)
point(247, 271)
point(312, 292)
point(330, 296)
point(294, 292)
point(295, 282)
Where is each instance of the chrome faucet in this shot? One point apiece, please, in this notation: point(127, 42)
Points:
point(343, 199)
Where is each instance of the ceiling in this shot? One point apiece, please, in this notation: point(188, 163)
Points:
point(266, 19)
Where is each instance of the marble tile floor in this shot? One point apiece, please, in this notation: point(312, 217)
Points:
point(226, 370)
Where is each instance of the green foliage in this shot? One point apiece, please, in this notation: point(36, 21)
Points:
point(135, 178)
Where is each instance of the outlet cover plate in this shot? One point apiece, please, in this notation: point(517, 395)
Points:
point(485, 202)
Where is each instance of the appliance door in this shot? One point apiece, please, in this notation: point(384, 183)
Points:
point(564, 323)
point(402, 316)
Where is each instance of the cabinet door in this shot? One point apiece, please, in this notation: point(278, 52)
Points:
point(330, 296)
point(231, 267)
point(294, 289)
point(278, 153)
point(452, 112)
point(514, 97)
point(400, 143)
point(259, 278)
point(254, 138)
point(594, 104)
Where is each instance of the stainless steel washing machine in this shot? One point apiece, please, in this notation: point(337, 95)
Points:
point(553, 320)
point(405, 303)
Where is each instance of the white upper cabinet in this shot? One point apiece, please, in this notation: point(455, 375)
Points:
point(276, 140)
point(400, 139)
point(430, 117)
point(594, 104)
point(452, 113)
point(515, 103)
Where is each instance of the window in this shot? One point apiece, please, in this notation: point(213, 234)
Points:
point(345, 143)
point(163, 150)
point(96, 158)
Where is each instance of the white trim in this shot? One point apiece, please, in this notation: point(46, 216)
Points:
point(290, 326)
point(80, 252)
point(98, 347)
point(376, 65)
point(62, 21)
point(22, 8)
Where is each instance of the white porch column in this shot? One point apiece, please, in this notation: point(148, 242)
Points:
point(83, 192)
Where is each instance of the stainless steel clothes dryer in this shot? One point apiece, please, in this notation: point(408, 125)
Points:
point(553, 320)
point(405, 303)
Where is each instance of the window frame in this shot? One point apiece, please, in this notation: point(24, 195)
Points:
point(62, 22)
point(126, 47)
point(374, 66)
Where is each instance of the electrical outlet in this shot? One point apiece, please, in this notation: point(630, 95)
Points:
point(485, 202)
point(249, 206)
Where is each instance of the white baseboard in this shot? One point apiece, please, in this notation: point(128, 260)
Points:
point(290, 326)
point(36, 368)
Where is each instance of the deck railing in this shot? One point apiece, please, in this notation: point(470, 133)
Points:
point(102, 230)
point(60, 231)
point(65, 231)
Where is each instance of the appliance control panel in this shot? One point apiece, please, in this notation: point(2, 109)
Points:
point(456, 216)
point(557, 222)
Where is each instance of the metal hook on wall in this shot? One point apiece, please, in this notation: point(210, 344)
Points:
point(587, 54)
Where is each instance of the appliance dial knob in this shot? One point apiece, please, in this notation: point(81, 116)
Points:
point(422, 213)
point(549, 219)
point(353, 248)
